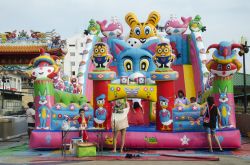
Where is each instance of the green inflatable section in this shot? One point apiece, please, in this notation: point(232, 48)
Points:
point(222, 84)
point(67, 98)
point(44, 87)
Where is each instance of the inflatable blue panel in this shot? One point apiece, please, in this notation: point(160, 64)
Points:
point(181, 45)
point(188, 126)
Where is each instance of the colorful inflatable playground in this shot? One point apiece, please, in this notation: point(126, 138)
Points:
point(145, 65)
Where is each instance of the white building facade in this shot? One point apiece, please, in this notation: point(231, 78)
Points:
point(75, 47)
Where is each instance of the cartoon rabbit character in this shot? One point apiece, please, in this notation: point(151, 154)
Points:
point(224, 108)
point(43, 111)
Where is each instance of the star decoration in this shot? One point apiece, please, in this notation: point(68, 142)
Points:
point(194, 108)
point(179, 108)
point(58, 107)
point(184, 140)
point(72, 107)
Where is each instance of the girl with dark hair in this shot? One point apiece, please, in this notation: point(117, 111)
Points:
point(211, 114)
point(181, 98)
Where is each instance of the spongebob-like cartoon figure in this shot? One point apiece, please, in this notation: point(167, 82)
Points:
point(142, 31)
point(101, 58)
point(163, 57)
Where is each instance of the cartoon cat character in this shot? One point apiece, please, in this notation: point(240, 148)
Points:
point(133, 62)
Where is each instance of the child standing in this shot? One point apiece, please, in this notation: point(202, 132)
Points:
point(83, 125)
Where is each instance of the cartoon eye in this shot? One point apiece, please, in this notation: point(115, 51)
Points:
point(163, 103)
point(159, 50)
point(144, 64)
point(137, 31)
point(147, 30)
point(99, 102)
point(102, 50)
point(219, 67)
point(96, 50)
point(128, 65)
point(166, 50)
point(228, 67)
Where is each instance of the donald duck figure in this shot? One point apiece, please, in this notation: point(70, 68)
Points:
point(165, 116)
point(100, 113)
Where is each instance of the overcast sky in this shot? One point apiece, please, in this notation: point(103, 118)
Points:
point(225, 19)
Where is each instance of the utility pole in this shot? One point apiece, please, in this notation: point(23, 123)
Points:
point(243, 52)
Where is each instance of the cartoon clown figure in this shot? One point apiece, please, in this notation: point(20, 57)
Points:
point(100, 113)
point(44, 66)
point(164, 114)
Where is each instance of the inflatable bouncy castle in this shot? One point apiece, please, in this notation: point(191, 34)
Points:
point(147, 68)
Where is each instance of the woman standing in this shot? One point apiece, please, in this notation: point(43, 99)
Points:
point(119, 121)
point(211, 114)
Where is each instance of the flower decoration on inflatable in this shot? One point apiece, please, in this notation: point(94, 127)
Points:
point(101, 58)
point(164, 56)
point(195, 24)
point(113, 29)
point(44, 66)
point(93, 28)
point(224, 62)
point(174, 26)
point(164, 114)
point(142, 31)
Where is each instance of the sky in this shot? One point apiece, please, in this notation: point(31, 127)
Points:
point(226, 20)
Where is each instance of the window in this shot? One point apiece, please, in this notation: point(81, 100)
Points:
point(72, 53)
point(81, 44)
point(72, 63)
point(72, 45)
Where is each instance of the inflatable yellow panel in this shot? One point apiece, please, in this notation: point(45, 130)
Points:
point(189, 81)
point(117, 91)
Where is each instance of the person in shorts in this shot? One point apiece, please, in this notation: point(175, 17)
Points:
point(211, 115)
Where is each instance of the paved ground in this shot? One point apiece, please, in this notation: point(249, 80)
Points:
point(17, 152)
